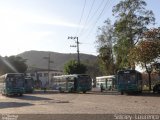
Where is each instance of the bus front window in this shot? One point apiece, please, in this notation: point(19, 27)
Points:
point(8, 83)
point(133, 79)
point(14, 82)
point(84, 79)
point(121, 79)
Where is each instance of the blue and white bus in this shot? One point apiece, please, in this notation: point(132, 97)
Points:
point(72, 83)
point(129, 81)
point(12, 84)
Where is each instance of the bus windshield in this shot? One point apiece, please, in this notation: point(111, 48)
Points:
point(127, 78)
point(14, 81)
point(84, 79)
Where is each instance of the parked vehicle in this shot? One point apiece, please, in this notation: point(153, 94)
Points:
point(72, 83)
point(106, 82)
point(156, 88)
point(28, 84)
point(12, 84)
point(129, 81)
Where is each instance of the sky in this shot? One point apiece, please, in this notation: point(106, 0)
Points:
point(45, 25)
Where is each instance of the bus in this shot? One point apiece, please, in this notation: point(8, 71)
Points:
point(72, 83)
point(108, 82)
point(28, 84)
point(12, 84)
point(129, 81)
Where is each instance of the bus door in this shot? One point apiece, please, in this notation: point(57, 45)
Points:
point(109, 84)
point(75, 84)
point(106, 83)
point(2, 85)
point(70, 84)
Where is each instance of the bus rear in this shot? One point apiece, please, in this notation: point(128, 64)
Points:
point(84, 83)
point(129, 81)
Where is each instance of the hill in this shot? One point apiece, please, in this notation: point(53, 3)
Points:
point(36, 59)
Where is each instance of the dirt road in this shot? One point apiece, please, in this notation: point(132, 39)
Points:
point(91, 103)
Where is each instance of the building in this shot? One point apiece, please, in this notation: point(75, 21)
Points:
point(43, 77)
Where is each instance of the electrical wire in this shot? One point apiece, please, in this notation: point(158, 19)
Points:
point(98, 17)
point(91, 18)
point(87, 18)
point(81, 16)
point(97, 10)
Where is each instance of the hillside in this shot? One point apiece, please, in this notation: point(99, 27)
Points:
point(36, 59)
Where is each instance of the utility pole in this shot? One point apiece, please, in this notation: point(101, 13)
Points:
point(77, 42)
point(49, 62)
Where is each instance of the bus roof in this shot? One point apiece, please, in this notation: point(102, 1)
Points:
point(71, 75)
point(109, 76)
point(127, 71)
point(12, 74)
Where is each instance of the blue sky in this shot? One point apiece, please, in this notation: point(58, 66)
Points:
point(45, 25)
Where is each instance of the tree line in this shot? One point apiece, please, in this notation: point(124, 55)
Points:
point(121, 44)
point(12, 64)
point(130, 40)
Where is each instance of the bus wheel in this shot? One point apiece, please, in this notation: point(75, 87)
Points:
point(72, 90)
point(60, 90)
point(84, 91)
point(20, 94)
point(140, 92)
point(122, 92)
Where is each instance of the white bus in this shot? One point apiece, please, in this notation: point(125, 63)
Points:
point(108, 82)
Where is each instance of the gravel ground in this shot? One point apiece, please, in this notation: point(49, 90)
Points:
point(90, 103)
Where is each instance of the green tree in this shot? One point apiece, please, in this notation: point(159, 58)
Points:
point(18, 62)
point(105, 41)
point(72, 67)
point(12, 64)
point(93, 69)
point(147, 51)
point(132, 20)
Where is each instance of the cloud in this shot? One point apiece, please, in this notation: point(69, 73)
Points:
point(10, 18)
point(39, 33)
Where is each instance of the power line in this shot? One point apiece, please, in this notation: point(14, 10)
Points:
point(81, 15)
point(98, 17)
point(88, 19)
point(88, 16)
point(95, 12)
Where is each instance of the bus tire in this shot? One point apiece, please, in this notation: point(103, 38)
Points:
point(122, 92)
point(72, 90)
point(3, 94)
point(140, 92)
point(20, 94)
point(84, 91)
point(60, 89)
